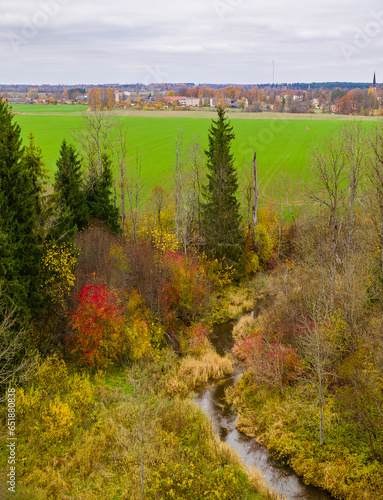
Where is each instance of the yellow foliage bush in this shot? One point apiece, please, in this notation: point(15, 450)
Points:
point(162, 232)
point(52, 375)
point(143, 334)
point(221, 273)
point(138, 337)
point(270, 220)
point(263, 244)
point(338, 328)
point(120, 258)
point(48, 406)
point(58, 263)
point(56, 420)
point(164, 241)
point(136, 306)
point(251, 263)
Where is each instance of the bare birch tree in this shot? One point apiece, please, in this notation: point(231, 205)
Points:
point(14, 362)
point(196, 161)
point(329, 168)
point(356, 152)
point(376, 178)
point(319, 351)
point(122, 158)
point(133, 190)
point(179, 180)
point(96, 137)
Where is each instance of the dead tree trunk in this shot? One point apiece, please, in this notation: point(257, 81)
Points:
point(255, 191)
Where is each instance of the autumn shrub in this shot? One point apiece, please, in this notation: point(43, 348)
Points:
point(59, 279)
point(283, 320)
point(47, 408)
point(263, 245)
point(271, 221)
point(98, 337)
point(144, 333)
point(185, 292)
point(289, 240)
point(197, 341)
point(59, 261)
point(146, 275)
point(271, 363)
point(164, 242)
point(220, 272)
point(250, 262)
point(360, 395)
point(160, 220)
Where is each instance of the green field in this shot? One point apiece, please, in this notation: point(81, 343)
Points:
point(49, 109)
point(282, 142)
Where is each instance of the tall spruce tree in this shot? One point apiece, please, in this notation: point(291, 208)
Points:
point(220, 210)
point(99, 193)
point(34, 163)
point(21, 239)
point(70, 196)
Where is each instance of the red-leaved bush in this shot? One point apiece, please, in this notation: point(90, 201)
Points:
point(197, 339)
point(98, 326)
point(271, 363)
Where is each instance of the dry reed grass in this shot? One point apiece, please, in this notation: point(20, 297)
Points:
point(241, 301)
point(246, 324)
point(257, 481)
point(194, 372)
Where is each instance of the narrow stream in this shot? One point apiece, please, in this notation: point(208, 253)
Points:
point(212, 400)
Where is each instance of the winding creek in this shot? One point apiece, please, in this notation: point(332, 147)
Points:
point(212, 400)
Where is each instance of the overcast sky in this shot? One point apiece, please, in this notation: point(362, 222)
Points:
point(199, 41)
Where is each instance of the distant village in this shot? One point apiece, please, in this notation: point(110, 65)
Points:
point(331, 97)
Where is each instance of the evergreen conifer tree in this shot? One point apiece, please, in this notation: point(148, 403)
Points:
point(99, 197)
point(21, 240)
point(220, 210)
point(33, 162)
point(70, 195)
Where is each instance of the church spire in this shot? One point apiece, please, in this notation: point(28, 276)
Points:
point(374, 81)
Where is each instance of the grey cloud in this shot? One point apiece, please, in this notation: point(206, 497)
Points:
point(189, 41)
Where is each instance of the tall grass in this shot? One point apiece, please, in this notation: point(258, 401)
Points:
point(194, 372)
point(245, 325)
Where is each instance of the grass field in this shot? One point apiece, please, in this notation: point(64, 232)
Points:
point(49, 109)
point(282, 142)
